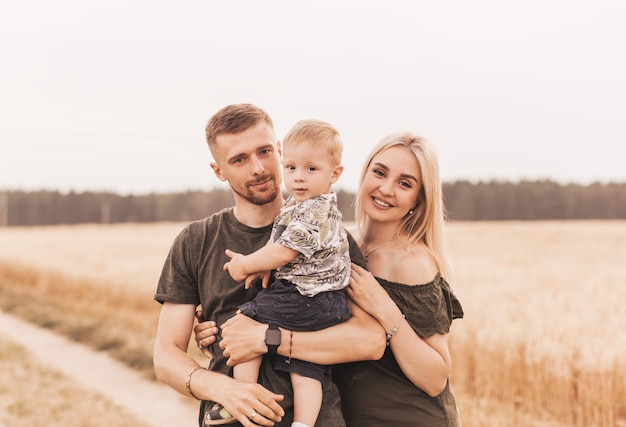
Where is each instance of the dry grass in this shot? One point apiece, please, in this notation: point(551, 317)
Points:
point(31, 394)
point(543, 327)
point(542, 339)
point(94, 284)
point(128, 256)
point(119, 321)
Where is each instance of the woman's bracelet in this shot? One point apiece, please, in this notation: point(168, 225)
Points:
point(394, 330)
point(188, 381)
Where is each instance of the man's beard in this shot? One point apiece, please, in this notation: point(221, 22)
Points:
point(261, 198)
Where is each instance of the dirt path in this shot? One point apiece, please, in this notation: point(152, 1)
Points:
point(97, 371)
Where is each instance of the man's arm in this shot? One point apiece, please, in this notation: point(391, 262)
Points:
point(172, 366)
point(359, 338)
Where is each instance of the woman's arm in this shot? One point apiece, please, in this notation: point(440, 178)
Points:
point(426, 362)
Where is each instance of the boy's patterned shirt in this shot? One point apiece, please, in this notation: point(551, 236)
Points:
point(314, 229)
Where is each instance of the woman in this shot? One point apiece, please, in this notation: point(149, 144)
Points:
point(399, 228)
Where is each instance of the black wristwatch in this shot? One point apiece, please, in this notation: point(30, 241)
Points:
point(272, 338)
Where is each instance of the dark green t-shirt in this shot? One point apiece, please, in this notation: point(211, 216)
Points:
point(193, 274)
point(377, 393)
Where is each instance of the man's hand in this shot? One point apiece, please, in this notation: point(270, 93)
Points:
point(252, 404)
point(243, 339)
point(249, 403)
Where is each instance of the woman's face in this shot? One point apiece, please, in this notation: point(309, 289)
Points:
point(391, 185)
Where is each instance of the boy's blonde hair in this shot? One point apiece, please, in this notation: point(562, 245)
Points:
point(317, 133)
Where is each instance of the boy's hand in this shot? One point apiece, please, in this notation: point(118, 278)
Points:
point(264, 276)
point(235, 266)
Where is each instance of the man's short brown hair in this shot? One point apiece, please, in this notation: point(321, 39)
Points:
point(233, 119)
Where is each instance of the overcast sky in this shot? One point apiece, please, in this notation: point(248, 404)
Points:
point(114, 95)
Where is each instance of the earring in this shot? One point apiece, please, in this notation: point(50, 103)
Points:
point(411, 212)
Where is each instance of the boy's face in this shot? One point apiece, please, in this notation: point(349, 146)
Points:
point(308, 171)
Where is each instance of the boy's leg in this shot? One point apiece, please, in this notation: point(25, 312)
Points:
point(307, 399)
point(248, 371)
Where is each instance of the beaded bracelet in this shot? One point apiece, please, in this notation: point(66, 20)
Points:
point(394, 330)
point(188, 381)
point(288, 359)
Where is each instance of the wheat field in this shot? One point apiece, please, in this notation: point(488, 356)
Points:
point(542, 342)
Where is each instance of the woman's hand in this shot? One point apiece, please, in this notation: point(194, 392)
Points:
point(243, 339)
point(366, 292)
point(204, 334)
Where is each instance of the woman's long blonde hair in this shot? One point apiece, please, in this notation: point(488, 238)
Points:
point(427, 220)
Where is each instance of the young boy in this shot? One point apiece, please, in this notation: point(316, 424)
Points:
point(308, 249)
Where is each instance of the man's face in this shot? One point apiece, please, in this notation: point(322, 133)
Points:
point(250, 162)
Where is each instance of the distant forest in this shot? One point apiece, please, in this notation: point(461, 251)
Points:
point(464, 201)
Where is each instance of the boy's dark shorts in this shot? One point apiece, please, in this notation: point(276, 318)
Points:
point(282, 304)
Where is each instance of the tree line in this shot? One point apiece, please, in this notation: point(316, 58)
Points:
point(464, 201)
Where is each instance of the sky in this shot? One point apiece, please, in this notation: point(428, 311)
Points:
point(114, 95)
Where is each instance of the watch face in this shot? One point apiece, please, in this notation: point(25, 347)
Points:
point(272, 337)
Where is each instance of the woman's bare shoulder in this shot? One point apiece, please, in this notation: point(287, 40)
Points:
point(414, 265)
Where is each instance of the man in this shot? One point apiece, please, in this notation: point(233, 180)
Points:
point(247, 155)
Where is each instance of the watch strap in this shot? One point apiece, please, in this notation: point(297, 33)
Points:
point(272, 338)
